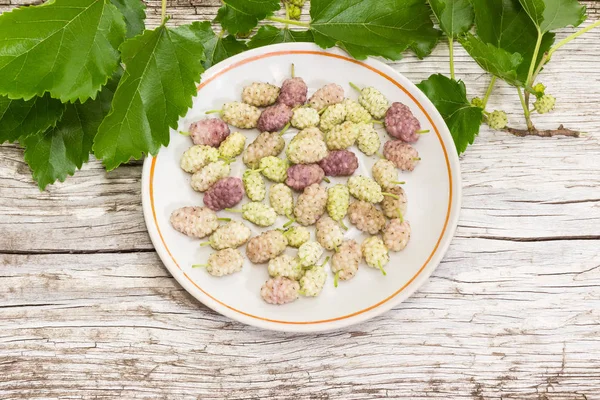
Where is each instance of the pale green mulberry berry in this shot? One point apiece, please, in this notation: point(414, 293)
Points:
point(232, 146)
point(309, 253)
point(240, 115)
point(231, 235)
point(294, 11)
point(258, 213)
point(497, 119)
point(385, 173)
point(477, 102)
point(297, 236)
point(355, 112)
point(313, 281)
point(297, 3)
point(260, 94)
point(368, 139)
point(254, 184)
point(545, 104)
point(305, 117)
point(374, 101)
point(342, 136)
point(365, 189)
point(539, 88)
point(202, 180)
point(197, 157)
point(333, 115)
point(274, 168)
point(375, 253)
point(282, 199)
point(312, 132)
point(338, 199)
point(286, 266)
point(329, 233)
point(223, 262)
point(307, 150)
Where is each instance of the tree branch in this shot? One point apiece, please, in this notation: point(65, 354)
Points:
point(561, 131)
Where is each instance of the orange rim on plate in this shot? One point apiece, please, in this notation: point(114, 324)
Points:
point(320, 53)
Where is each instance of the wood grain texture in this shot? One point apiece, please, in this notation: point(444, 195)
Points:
point(87, 310)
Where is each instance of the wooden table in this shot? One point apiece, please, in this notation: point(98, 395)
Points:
point(87, 310)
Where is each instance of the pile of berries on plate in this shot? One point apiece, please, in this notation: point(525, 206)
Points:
point(286, 179)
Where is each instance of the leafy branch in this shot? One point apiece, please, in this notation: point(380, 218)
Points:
point(83, 76)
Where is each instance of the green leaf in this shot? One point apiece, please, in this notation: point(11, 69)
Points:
point(59, 151)
point(450, 98)
point(65, 47)
point(269, 34)
point(505, 24)
point(374, 27)
point(492, 59)
point(241, 16)
point(162, 66)
point(549, 15)
point(21, 118)
point(455, 16)
point(218, 48)
point(133, 12)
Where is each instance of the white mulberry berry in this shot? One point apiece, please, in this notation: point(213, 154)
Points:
point(374, 101)
point(395, 207)
point(223, 262)
point(280, 290)
point(196, 222)
point(355, 112)
point(254, 184)
point(308, 150)
point(385, 173)
point(240, 115)
point(266, 246)
point(311, 205)
point(305, 117)
point(281, 199)
point(297, 236)
point(342, 136)
point(274, 168)
point(313, 281)
point(260, 94)
point(329, 233)
point(309, 253)
point(375, 253)
point(333, 115)
point(345, 262)
point(266, 144)
point(368, 139)
point(396, 234)
point(233, 146)
point(230, 236)
point(202, 180)
point(259, 214)
point(197, 157)
point(366, 217)
point(328, 95)
point(286, 266)
point(338, 200)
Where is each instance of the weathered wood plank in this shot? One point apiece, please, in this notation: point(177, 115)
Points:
point(120, 325)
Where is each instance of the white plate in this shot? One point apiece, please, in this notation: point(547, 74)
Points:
point(433, 190)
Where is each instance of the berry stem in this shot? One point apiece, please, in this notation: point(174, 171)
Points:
point(199, 265)
point(293, 66)
point(416, 158)
point(355, 87)
point(224, 219)
point(182, 133)
point(234, 210)
point(488, 92)
point(400, 216)
point(213, 111)
point(393, 196)
point(323, 110)
point(381, 268)
point(525, 109)
point(285, 128)
point(324, 262)
point(534, 58)
point(336, 277)
point(163, 12)
point(326, 179)
point(422, 131)
point(377, 122)
point(204, 244)
point(289, 21)
point(290, 222)
point(571, 37)
point(344, 227)
point(451, 49)
point(398, 182)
